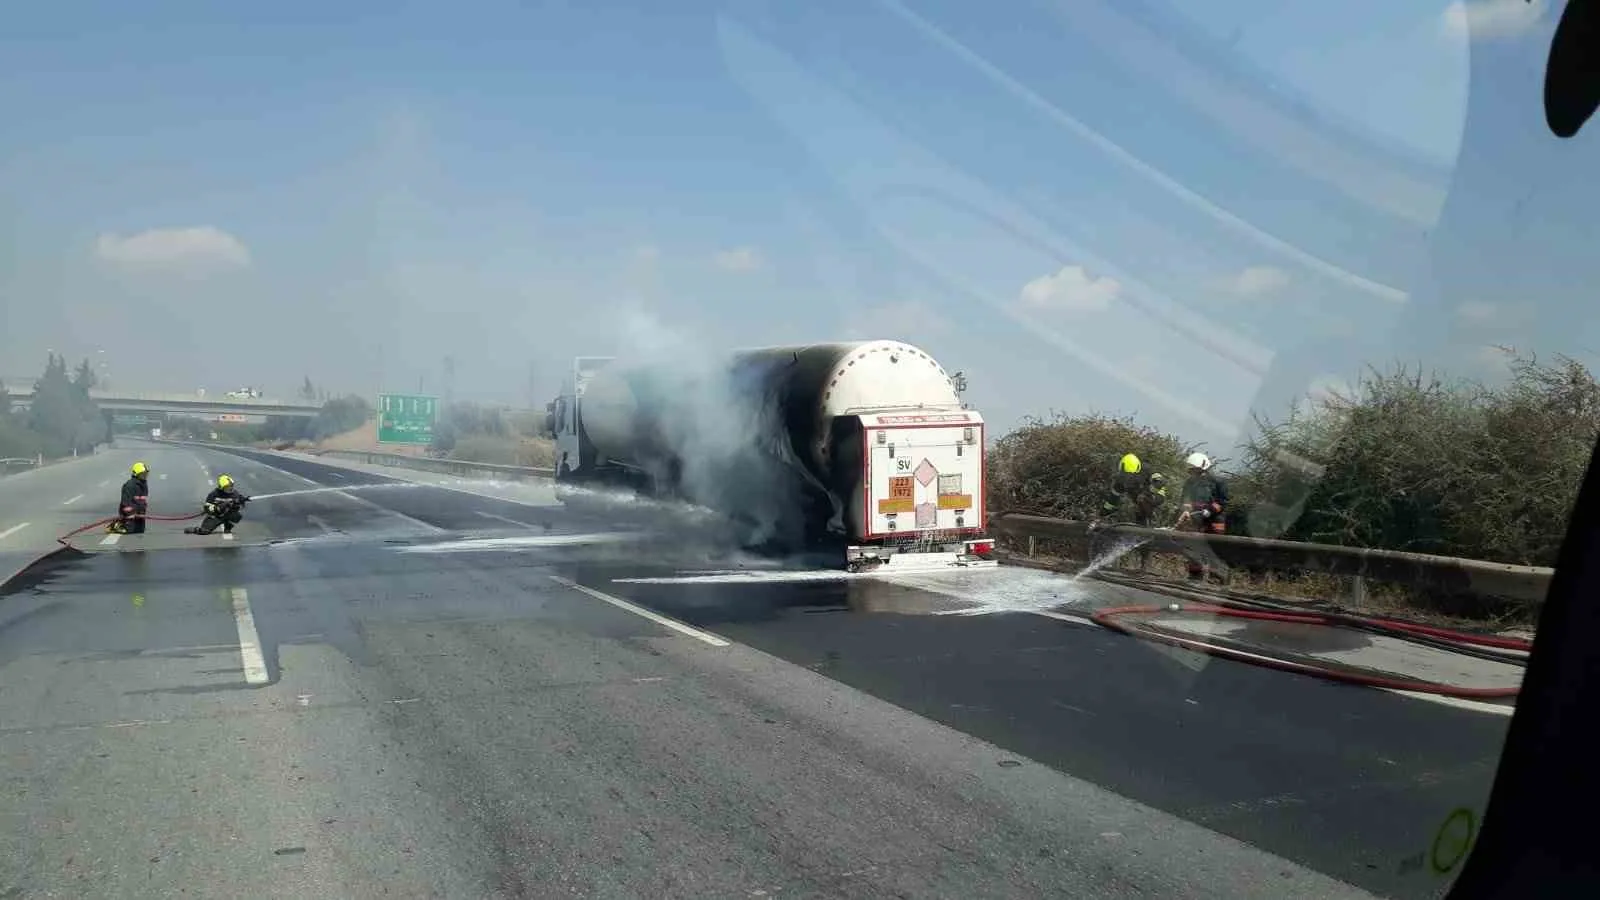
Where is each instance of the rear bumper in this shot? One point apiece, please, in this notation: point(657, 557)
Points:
point(968, 554)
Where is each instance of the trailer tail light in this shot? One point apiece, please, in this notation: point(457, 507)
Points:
point(966, 435)
point(981, 549)
point(883, 437)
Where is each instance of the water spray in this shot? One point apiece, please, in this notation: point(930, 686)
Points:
point(333, 490)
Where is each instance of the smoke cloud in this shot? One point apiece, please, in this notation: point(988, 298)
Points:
point(717, 429)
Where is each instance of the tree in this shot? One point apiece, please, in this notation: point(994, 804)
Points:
point(339, 415)
point(84, 379)
point(63, 415)
point(308, 391)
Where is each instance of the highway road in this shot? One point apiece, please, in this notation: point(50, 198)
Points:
point(385, 688)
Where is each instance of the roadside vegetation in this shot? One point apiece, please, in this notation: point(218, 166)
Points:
point(61, 420)
point(1404, 461)
point(478, 433)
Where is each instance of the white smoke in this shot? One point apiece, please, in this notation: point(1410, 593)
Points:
point(725, 431)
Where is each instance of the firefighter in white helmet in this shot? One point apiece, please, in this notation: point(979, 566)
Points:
point(1205, 505)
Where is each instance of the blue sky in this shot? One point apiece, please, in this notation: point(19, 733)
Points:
point(1132, 206)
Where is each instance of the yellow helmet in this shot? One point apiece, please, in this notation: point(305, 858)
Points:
point(1131, 464)
point(140, 468)
point(224, 482)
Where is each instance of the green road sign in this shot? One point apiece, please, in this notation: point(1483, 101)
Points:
point(405, 419)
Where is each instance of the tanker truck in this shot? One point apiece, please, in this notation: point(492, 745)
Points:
point(862, 450)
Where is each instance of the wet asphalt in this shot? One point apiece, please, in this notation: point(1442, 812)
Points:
point(441, 709)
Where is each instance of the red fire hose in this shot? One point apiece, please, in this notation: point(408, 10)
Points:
point(65, 540)
point(1112, 618)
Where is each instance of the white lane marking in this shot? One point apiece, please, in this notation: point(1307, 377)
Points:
point(503, 519)
point(655, 617)
point(162, 476)
point(110, 540)
point(1458, 702)
point(317, 521)
point(71, 500)
point(12, 530)
point(106, 483)
point(255, 665)
point(338, 476)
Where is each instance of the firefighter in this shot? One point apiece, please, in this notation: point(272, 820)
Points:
point(224, 506)
point(1142, 491)
point(1145, 491)
point(135, 503)
point(1205, 506)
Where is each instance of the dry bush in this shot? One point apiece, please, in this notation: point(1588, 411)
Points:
point(1062, 467)
point(1417, 463)
point(1406, 461)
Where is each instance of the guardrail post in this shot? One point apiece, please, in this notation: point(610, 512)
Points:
point(1033, 545)
point(1358, 591)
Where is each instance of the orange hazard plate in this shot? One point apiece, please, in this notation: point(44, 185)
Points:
point(955, 501)
point(896, 505)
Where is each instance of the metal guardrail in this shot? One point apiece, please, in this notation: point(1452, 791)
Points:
point(19, 462)
point(442, 466)
point(1420, 570)
point(1527, 584)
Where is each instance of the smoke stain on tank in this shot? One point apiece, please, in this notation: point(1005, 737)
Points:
point(764, 434)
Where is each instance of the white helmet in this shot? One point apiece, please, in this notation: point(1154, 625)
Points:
point(1199, 461)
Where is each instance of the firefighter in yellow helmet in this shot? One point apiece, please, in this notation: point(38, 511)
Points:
point(1139, 491)
point(135, 503)
point(224, 506)
point(1133, 485)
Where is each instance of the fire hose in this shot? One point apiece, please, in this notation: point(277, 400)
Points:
point(1489, 647)
point(1442, 638)
point(65, 540)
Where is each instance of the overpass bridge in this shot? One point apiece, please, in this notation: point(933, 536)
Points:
point(121, 403)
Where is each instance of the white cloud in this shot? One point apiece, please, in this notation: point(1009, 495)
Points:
point(1477, 312)
point(647, 253)
point(739, 259)
point(1070, 290)
point(173, 248)
point(1487, 20)
point(1258, 281)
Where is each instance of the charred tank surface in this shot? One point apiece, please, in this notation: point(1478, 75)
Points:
point(769, 434)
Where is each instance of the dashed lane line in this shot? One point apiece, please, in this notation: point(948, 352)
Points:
point(255, 664)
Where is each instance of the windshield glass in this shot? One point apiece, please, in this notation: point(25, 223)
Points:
point(754, 449)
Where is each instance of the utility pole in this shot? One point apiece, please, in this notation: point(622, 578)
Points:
point(449, 380)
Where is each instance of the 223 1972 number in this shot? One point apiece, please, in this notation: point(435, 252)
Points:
point(901, 488)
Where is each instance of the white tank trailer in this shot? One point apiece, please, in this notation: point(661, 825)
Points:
point(861, 447)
